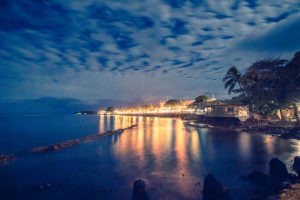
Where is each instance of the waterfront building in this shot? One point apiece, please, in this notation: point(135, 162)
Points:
point(226, 108)
point(289, 113)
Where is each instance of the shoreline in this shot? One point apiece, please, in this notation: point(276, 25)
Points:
point(261, 127)
point(269, 128)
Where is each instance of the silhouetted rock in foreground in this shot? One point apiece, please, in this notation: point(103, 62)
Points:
point(296, 165)
point(278, 171)
point(258, 177)
point(139, 190)
point(278, 179)
point(212, 189)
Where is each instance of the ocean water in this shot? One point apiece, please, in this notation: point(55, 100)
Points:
point(169, 155)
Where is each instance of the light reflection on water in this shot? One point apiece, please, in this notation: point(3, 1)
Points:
point(165, 151)
point(171, 156)
point(160, 150)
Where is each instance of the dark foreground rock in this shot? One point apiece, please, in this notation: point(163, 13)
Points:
point(139, 190)
point(258, 177)
point(213, 189)
point(296, 165)
point(278, 170)
point(277, 180)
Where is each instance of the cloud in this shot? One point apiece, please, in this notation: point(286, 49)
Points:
point(278, 18)
point(176, 3)
point(178, 27)
point(284, 37)
point(158, 40)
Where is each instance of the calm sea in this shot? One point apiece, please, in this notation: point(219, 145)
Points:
point(169, 155)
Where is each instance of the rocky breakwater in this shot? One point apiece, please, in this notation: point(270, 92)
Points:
point(77, 141)
point(56, 147)
point(5, 158)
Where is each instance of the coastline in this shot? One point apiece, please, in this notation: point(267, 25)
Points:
point(187, 133)
point(270, 129)
point(255, 126)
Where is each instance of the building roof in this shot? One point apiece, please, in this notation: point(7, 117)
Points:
point(220, 103)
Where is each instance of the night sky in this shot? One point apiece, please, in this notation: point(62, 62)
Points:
point(125, 50)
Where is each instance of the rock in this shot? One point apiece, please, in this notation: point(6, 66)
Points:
point(278, 171)
point(259, 194)
point(56, 147)
point(212, 188)
point(296, 165)
point(74, 142)
point(139, 190)
point(286, 185)
point(258, 177)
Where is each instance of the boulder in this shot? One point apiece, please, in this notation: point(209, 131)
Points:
point(278, 171)
point(296, 165)
point(212, 188)
point(258, 177)
point(139, 190)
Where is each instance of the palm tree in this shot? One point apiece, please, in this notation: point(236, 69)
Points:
point(268, 83)
point(232, 77)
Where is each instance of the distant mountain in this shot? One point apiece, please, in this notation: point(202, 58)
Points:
point(50, 105)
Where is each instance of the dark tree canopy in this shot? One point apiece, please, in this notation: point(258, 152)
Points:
point(267, 85)
point(146, 106)
point(110, 109)
point(173, 102)
point(201, 98)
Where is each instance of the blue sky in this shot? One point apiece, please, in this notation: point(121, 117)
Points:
point(152, 49)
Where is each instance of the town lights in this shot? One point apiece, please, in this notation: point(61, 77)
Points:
point(157, 110)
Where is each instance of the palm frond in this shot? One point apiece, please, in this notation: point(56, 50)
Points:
point(229, 82)
point(231, 88)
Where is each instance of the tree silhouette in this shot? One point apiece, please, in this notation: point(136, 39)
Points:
point(232, 77)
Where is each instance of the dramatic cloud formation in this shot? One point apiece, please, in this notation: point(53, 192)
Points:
point(281, 38)
point(133, 49)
